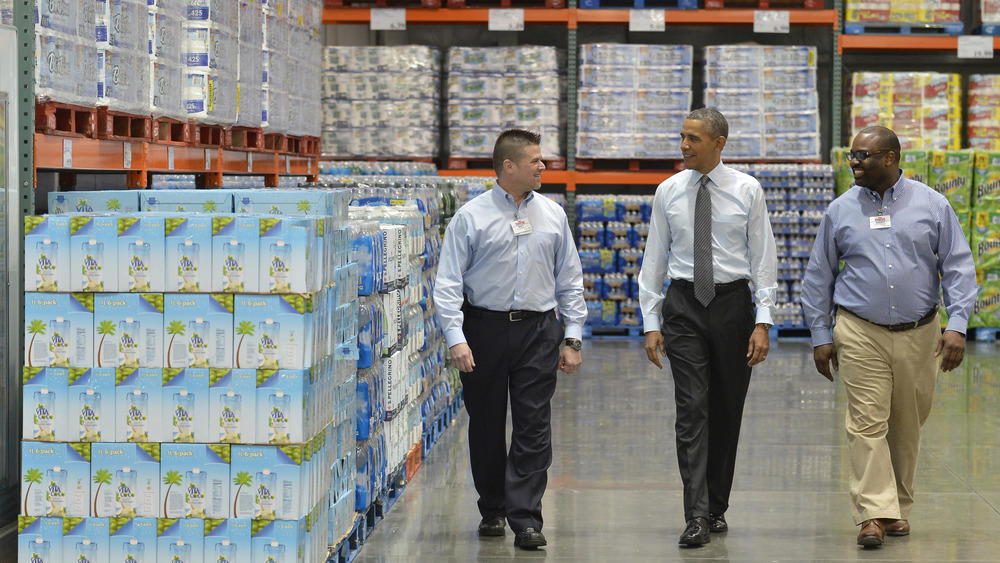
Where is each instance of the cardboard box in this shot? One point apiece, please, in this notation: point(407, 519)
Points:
point(180, 539)
point(235, 254)
point(91, 404)
point(267, 482)
point(94, 255)
point(108, 201)
point(233, 405)
point(138, 405)
point(186, 201)
point(44, 416)
point(47, 254)
point(126, 481)
point(59, 329)
point(188, 254)
point(85, 540)
point(195, 480)
point(133, 539)
point(273, 331)
point(55, 479)
point(185, 406)
point(281, 405)
point(130, 327)
point(289, 249)
point(39, 539)
point(141, 253)
point(228, 541)
point(199, 330)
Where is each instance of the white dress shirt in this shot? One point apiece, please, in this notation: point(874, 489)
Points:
point(742, 241)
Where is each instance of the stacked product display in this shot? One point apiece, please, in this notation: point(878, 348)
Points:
point(632, 100)
point(769, 97)
point(168, 54)
point(923, 108)
point(989, 16)
point(380, 101)
point(984, 111)
point(494, 88)
point(904, 11)
point(190, 377)
point(292, 48)
point(66, 54)
point(376, 168)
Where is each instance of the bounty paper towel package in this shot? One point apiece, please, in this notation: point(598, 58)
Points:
point(85, 540)
point(986, 240)
point(55, 479)
point(199, 330)
point(986, 311)
point(59, 329)
point(181, 539)
point(39, 540)
point(227, 541)
point(273, 331)
point(235, 254)
point(129, 330)
point(915, 164)
point(232, 409)
point(186, 201)
point(94, 253)
point(195, 480)
point(91, 404)
point(188, 242)
point(44, 414)
point(185, 404)
point(108, 201)
point(133, 539)
point(141, 253)
point(46, 253)
point(125, 481)
point(986, 178)
point(139, 406)
point(951, 174)
point(266, 482)
point(281, 399)
point(289, 249)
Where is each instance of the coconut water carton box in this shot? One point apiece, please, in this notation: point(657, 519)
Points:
point(180, 540)
point(986, 240)
point(185, 405)
point(109, 201)
point(280, 540)
point(85, 540)
point(951, 174)
point(232, 406)
point(188, 253)
point(45, 416)
point(986, 179)
point(289, 249)
point(273, 331)
point(94, 255)
point(266, 481)
point(59, 329)
point(129, 329)
point(39, 540)
point(281, 405)
point(125, 480)
point(235, 254)
point(199, 330)
point(141, 253)
point(91, 404)
point(228, 540)
point(138, 405)
point(47, 253)
point(132, 539)
point(293, 202)
point(55, 479)
point(186, 201)
point(195, 480)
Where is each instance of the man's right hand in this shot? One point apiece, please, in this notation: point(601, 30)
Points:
point(461, 357)
point(825, 356)
point(655, 348)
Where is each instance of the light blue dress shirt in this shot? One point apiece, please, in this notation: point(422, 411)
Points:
point(890, 275)
point(742, 241)
point(482, 258)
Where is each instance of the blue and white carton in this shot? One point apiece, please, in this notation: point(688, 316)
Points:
point(125, 480)
point(266, 482)
point(108, 201)
point(59, 329)
point(279, 540)
point(39, 540)
point(228, 540)
point(273, 331)
point(44, 414)
point(233, 406)
point(55, 479)
point(94, 255)
point(195, 480)
point(181, 540)
point(46, 253)
point(91, 404)
point(281, 405)
point(235, 254)
point(199, 330)
point(188, 254)
point(138, 405)
point(133, 540)
point(141, 253)
point(185, 405)
point(85, 540)
point(289, 250)
point(186, 201)
point(129, 329)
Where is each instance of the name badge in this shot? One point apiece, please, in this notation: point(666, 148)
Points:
point(521, 227)
point(880, 222)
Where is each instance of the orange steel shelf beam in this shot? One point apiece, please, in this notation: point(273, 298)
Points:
point(443, 15)
point(574, 178)
point(711, 17)
point(902, 43)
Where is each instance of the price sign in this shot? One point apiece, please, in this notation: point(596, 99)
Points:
point(647, 20)
point(771, 21)
point(127, 156)
point(208, 160)
point(67, 153)
point(170, 158)
point(506, 19)
point(388, 19)
point(288, 165)
point(249, 162)
point(975, 47)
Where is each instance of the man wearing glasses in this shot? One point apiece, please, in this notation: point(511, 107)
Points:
point(900, 243)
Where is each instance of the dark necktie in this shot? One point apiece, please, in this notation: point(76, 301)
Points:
point(704, 279)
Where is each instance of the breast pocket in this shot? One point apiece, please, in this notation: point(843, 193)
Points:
point(543, 244)
point(731, 229)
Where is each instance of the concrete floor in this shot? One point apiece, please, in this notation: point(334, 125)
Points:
point(614, 492)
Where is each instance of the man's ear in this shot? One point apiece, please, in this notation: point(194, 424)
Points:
point(720, 143)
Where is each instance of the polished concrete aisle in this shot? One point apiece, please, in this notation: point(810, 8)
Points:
point(615, 495)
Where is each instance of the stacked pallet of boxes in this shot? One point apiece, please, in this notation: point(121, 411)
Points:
point(904, 12)
point(984, 111)
point(66, 54)
point(923, 108)
point(985, 240)
point(167, 58)
point(181, 400)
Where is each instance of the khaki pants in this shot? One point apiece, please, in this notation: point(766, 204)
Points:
point(890, 379)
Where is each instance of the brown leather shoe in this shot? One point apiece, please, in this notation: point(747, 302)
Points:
point(872, 532)
point(896, 527)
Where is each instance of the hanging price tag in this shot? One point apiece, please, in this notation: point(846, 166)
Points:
point(771, 21)
point(647, 20)
point(249, 162)
point(506, 19)
point(975, 47)
point(288, 165)
point(67, 153)
point(170, 158)
point(388, 19)
point(127, 156)
point(208, 160)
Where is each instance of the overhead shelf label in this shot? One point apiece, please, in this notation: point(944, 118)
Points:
point(388, 19)
point(647, 20)
point(127, 155)
point(975, 47)
point(506, 19)
point(771, 21)
point(67, 153)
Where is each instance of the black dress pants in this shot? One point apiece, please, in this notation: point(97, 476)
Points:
point(518, 358)
point(707, 349)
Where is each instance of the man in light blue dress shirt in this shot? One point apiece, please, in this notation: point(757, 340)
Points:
point(508, 264)
point(896, 238)
point(712, 347)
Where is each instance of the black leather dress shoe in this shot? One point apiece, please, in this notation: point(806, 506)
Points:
point(492, 526)
point(717, 523)
point(696, 532)
point(529, 538)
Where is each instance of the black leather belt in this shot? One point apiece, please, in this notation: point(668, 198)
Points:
point(899, 327)
point(510, 316)
point(719, 287)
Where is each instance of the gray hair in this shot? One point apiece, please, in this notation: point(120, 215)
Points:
point(714, 120)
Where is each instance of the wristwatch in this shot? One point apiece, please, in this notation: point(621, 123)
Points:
point(574, 343)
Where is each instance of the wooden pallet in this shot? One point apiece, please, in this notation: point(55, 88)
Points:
point(123, 126)
point(209, 135)
point(169, 131)
point(383, 3)
point(640, 4)
point(556, 4)
point(458, 163)
point(765, 4)
point(890, 28)
point(629, 164)
point(311, 146)
point(55, 118)
point(244, 138)
point(277, 142)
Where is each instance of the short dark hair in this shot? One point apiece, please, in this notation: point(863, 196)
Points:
point(509, 145)
point(887, 139)
point(713, 118)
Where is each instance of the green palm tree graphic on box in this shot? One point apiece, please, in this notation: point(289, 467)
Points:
point(174, 329)
point(241, 480)
point(209, 207)
point(114, 205)
point(105, 329)
point(35, 328)
point(31, 477)
point(172, 478)
point(304, 206)
point(245, 329)
point(101, 478)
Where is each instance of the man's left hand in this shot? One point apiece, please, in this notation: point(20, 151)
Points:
point(760, 343)
point(569, 360)
point(952, 348)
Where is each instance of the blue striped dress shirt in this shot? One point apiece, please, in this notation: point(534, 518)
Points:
point(890, 275)
point(481, 257)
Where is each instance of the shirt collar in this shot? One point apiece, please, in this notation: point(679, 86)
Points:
point(715, 175)
point(503, 198)
point(892, 193)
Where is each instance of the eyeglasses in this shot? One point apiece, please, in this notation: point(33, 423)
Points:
point(861, 156)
